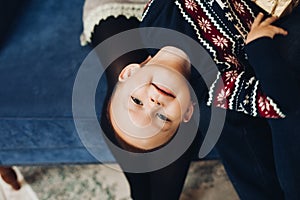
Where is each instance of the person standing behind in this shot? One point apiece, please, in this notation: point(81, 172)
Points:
point(259, 162)
point(279, 78)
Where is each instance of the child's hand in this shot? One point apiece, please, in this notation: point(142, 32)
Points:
point(264, 28)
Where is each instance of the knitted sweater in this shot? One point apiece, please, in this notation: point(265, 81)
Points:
point(220, 26)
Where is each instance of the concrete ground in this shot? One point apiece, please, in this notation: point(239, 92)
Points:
point(206, 180)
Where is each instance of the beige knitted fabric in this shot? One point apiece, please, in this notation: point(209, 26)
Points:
point(96, 10)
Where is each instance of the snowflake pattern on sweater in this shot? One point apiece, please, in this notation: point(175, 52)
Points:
point(222, 35)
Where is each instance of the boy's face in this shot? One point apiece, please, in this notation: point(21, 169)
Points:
point(148, 105)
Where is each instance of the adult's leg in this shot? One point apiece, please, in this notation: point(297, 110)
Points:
point(166, 183)
point(140, 187)
point(245, 147)
point(286, 132)
point(286, 140)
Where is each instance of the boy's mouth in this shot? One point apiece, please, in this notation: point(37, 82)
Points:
point(163, 90)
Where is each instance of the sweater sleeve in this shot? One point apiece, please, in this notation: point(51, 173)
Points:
point(276, 78)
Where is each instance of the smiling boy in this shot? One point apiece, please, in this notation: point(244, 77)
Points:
point(151, 99)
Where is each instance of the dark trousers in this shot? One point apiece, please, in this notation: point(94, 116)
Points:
point(246, 149)
point(163, 184)
point(262, 161)
point(286, 145)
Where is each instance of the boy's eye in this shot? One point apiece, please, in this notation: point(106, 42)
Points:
point(136, 101)
point(162, 117)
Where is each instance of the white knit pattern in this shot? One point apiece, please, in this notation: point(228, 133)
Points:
point(93, 16)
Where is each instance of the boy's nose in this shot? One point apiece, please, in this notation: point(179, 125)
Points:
point(154, 100)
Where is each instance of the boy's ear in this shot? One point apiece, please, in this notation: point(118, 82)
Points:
point(188, 113)
point(130, 69)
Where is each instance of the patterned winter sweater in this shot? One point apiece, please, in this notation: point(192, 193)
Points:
point(220, 26)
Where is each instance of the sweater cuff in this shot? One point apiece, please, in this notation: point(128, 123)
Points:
point(261, 45)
